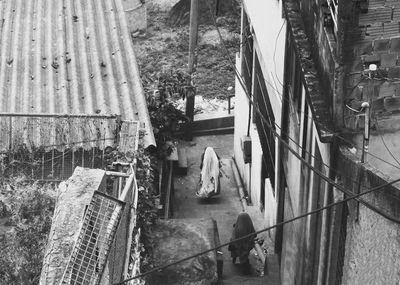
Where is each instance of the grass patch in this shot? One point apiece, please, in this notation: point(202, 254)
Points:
point(164, 49)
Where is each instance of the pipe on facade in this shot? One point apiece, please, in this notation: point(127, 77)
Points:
point(365, 106)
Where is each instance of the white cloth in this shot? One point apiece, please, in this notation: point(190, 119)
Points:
point(209, 177)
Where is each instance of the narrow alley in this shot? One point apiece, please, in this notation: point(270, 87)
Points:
point(223, 208)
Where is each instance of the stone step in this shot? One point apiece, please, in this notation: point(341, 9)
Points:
point(246, 280)
point(272, 266)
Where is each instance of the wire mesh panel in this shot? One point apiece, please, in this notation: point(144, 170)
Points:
point(91, 250)
point(129, 136)
point(60, 133)
point(49, 147)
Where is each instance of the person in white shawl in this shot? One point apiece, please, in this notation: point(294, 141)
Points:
point(209, 184)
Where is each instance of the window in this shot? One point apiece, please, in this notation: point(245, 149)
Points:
point(247, 53)
point(265, 122)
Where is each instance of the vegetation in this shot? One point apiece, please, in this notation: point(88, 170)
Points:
point(165, 118)
point(26, 208)
point(164, 49)
point(26, 211)
point(166, 121)
point(162, 56)
point(147, 204)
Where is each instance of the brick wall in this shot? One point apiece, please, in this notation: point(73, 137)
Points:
point(372, 37)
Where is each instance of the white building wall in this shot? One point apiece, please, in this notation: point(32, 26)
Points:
point(241, 119)
point(269, 45)
point(270, 30)
point(256, 160)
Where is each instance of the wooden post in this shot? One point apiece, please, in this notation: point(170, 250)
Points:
point(168, 194)
point(62, 176)
point(194, 25)
point(131, 226)
point(52, 164)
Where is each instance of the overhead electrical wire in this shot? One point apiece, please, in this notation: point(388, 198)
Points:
point(384, 143)
point(276, 43)
point(342, 138)
point(328, 180)
point(337, 135)
point(308, 116)
point(351, 196)
point(284, 143)
point(258, 232)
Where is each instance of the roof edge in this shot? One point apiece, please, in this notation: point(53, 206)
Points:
point(138, 92)
point(317, 101)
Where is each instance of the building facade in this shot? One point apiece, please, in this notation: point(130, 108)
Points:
point(261, 64)
point(305, 79)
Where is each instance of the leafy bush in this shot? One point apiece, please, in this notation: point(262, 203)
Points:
point(29, 210)
point(165, 118)
point(147, 212)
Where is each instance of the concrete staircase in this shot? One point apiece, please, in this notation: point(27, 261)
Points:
point(272, 274)
point(211, 124)
point(271, 278)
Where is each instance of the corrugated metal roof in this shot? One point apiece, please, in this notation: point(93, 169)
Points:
point(63, 132)
point(70, 57)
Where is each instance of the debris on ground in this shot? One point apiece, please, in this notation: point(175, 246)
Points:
point(206, 105)
point(176, 239)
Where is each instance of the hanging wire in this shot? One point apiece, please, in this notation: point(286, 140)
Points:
point(258, 232)
point(285, 144)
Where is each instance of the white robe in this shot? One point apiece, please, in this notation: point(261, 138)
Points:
point(209, 177)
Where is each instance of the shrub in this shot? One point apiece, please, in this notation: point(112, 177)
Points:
point(31, 206)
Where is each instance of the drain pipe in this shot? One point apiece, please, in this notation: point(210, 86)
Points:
point(365, 106)
point(242, 196)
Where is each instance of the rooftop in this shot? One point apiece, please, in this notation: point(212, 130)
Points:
point(69, 57)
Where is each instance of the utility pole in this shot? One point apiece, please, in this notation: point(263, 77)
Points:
point(194, 25)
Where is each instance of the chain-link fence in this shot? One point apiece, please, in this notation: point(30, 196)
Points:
point(50, 146)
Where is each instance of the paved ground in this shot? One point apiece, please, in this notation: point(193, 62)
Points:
point(223, 208)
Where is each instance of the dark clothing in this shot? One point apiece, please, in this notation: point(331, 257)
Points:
point(242, 227)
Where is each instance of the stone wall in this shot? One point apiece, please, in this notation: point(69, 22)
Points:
point(73, 197)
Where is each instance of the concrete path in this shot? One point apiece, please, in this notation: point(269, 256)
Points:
point(223, 208)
